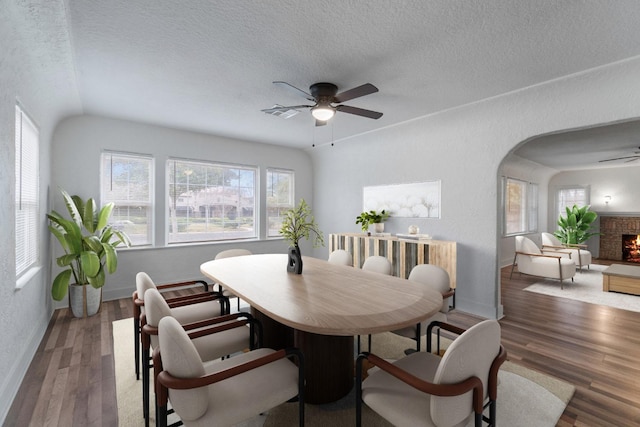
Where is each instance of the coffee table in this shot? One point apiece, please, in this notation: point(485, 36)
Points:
point(621, 278)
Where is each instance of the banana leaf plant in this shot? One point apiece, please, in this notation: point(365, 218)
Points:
point(575, 227)
point(89, 243)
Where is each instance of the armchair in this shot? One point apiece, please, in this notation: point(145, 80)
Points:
point(423, 389)
point(144, 282)
point(437, 279)
point(531, 260)
point(233, 336)
point(226, 392)
point(579, 253)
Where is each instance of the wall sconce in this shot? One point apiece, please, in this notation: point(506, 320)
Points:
point(607, 199)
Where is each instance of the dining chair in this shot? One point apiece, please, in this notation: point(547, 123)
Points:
point(432, 277)
point(341, 257)
point(226, 392)
point(234, 336)
point(376, 264)
point(424, 389)
point(229, 253)
point(144, 282)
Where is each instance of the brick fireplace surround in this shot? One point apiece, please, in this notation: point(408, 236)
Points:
point(612, 229)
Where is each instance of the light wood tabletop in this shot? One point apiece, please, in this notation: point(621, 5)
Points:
point(325, 299)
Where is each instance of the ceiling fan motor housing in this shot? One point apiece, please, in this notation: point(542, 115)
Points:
point(324, 93)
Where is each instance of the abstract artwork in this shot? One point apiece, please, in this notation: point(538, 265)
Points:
point(415, 200)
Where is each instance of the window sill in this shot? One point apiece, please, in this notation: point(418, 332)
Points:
point(23, 280)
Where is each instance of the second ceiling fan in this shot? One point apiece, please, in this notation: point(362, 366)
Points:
point(325, 95)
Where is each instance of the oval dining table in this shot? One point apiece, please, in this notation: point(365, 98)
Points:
point(321, 310)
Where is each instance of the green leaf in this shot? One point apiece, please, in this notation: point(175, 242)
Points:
point(111, 258)
point(60, 285)
point(90, 263)
point(88, 218)
point(97, 281)
point(103, 217)
point(72, 207)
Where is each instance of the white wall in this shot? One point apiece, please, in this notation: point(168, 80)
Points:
point(35, 70)
point(78, 143)
point(464, 147)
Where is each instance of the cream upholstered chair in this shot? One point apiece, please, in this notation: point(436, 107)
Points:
point(223, 393)
point(531, 260)
point(376, 264)
point(436, 278)
point(228, 254)
point(341, 257)
point(423, 389)
point(236, 338)
point(579, 253)
point(144, 282)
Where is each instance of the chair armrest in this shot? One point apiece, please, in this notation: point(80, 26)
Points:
point(456, 389)
point(449, 293)
point(553, 247)
point(165, 286)
point(492, 388)
point(539, 255)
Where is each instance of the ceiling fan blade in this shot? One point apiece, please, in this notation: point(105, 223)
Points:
point(632, 160)
point(356, 92)
point(300, 92)
point(320, 123)
point(293, 107)
point(619, 158)
point(359, 111)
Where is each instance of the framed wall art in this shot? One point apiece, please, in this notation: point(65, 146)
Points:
point(415, 200)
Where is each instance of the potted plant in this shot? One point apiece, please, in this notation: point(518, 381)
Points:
point(365, 219)
point(89, 243)
point(299, 223)
point(575, 227)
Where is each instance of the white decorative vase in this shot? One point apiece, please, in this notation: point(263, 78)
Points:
point(377, 227)
point(84, 300)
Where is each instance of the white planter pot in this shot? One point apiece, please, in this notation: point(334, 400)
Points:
point(84, 301)
point(377, 227)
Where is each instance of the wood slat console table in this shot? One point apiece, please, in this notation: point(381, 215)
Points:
point(404, 254)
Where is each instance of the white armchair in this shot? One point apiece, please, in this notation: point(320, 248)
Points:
point(531, 260)
point(579, 253)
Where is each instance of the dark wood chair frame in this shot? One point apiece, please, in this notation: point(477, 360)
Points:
point(164, 381)
point(138, 303)
point(472, 383)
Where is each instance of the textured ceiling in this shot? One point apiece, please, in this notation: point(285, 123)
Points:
point(208, 66)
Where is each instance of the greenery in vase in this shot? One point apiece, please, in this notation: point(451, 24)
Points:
point(371, 217)
point(575, 227)
point(89, 243)
point(299, 223)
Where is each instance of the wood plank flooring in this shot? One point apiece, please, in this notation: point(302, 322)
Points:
point(71, 379)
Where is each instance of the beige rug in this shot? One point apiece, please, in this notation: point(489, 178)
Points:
point(587, 287)
point(525, 397)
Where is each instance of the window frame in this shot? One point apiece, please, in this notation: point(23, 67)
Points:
point(151, 203)
point(289, 205)
point(27, 237)
point(529, 206)
point(171, 239)
point(556, 199)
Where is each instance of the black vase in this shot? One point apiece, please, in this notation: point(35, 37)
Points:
point(295, 260)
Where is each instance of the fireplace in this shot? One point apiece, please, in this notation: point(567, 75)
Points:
point(613, 228)
point(631, 247)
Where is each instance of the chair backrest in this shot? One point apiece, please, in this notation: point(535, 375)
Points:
point(180, 359)
point(378, 264)
point(471, 354)
point(341, 257)
point(435, 277)
point(550, 240)
point(524, 244)
point(233, 253)
point(143, 283)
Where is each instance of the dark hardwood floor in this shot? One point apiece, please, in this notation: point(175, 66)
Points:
point(71, 379)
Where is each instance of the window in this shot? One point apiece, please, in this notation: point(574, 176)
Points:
point(27, 193)
point(127, 182)
point(280, 194)
point(520, 207)
point(567, 197)
point(209, 201)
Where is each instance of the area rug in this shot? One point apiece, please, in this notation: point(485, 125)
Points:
point(525, 397)
point(587, 287)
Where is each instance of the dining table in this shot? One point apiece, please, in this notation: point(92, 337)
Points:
point(321, 310)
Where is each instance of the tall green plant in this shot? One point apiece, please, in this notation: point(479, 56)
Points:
point(299, 223)
point(575, 227)
point(89, 243)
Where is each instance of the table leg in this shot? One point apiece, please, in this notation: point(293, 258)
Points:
point(329, 366)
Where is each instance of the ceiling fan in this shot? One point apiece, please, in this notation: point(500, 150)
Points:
point(627, 159)
point(325, 95)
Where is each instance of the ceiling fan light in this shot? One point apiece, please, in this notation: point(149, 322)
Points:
point(322, 112)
